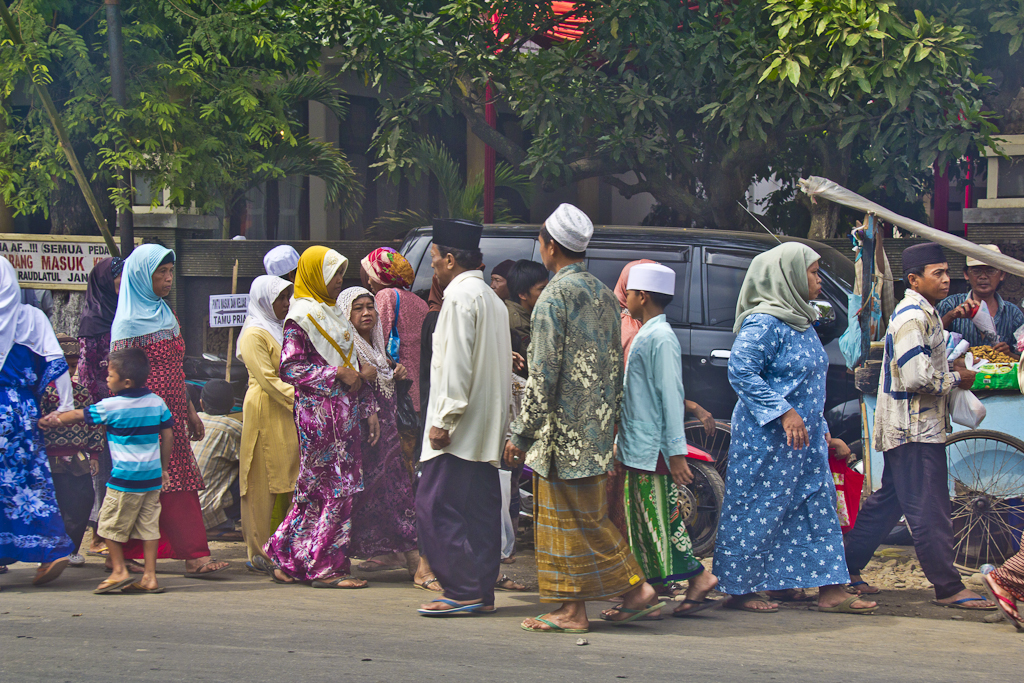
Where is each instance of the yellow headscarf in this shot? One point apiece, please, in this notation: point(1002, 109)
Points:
point(331, 334)
point(317, 266)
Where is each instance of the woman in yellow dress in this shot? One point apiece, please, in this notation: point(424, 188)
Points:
point(269, 460)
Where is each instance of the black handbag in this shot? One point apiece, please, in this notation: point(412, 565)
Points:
point(406, 416)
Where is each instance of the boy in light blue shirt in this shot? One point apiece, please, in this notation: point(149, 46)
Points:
point(652, 446)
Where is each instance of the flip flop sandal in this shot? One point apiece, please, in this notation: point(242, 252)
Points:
point(52, 572)
point(137, 588)
point(853, 587)
point(132, 566)
point(499, 585)
point(336, 583)
point(634, 614)
point(555, 628)
point(372, 565)
point(200, 574)
point(425, 585)
point(109, 585)
point(1007, 607)
point(699, 606)
point(98, 553)
point(454, 608)
point(742, 605)
point(961, 604)
point(608, 613)
point(846, 607)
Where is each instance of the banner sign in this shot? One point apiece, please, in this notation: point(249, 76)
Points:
point(228, 310)
point(53, 261)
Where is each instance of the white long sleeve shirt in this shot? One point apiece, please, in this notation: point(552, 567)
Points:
point(470, 386)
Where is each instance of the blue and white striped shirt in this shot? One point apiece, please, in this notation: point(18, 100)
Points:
point(1007, 319)
point(915, 380)
point(134, 419)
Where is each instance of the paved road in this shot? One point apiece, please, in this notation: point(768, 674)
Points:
point(245, 628)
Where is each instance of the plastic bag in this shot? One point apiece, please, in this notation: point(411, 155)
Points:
point(983, 321)
point(405, 414)
point(1018, 334)
point(966, 409)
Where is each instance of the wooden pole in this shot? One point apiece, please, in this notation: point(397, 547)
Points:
point(231, 330)
point(65, 141)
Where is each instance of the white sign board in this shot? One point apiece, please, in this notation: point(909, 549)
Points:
point(53, 261)
point(228, 310)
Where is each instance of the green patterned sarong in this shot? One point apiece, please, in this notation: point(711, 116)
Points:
point(657, 535)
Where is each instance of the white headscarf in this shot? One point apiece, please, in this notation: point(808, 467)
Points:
point(262, 295)
point(373, 352)
point(28, 326)
point(281, 260)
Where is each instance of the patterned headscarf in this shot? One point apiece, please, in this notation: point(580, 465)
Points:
point(387, 267)
point(373, 352)
point(314, 311)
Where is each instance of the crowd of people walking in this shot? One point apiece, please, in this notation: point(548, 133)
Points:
point(380, 426)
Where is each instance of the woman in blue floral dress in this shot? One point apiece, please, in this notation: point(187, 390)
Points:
point(31, 528)
point(779, 530)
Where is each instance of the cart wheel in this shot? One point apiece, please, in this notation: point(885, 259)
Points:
point(700, 505)
point(717, 445)
point(986, 487)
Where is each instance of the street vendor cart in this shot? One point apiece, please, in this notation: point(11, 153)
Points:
point(986, 464)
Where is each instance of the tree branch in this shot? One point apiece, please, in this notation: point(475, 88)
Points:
point(515, 154)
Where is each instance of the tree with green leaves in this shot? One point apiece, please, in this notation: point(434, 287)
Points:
point(697, 99)
point(215, 97)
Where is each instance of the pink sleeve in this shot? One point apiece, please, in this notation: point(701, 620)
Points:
point(385, 302)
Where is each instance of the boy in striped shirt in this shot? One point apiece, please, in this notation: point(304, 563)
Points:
point(140, 439)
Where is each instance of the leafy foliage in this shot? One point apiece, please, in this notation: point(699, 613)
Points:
point(215, 92)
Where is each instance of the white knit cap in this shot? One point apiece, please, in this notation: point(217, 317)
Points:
point(652, 277)
point(281, 260)
point(971, 261)
point(570, 227)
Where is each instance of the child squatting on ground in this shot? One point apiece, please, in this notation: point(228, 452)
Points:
point(140, 439)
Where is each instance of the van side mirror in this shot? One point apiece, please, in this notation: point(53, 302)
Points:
point(825, 325)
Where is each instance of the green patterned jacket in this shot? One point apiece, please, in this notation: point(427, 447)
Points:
point(571, 403)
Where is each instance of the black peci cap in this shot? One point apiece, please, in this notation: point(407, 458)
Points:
point(922, 255)
point(456, 233)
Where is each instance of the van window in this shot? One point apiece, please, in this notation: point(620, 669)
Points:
point(724, 272)
point(495, 250)
point(608, 271)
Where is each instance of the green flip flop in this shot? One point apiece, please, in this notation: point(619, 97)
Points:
point(634, 614)
point(555, 628)
point(846, 607)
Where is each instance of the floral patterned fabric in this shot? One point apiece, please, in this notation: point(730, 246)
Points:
point(657, 533)
point(31, 528)
point(313, 540)
point(573, 394)
point(779, 525)
point(63, 445)
point(166, 352)
point(92, 366)
point(384, 512)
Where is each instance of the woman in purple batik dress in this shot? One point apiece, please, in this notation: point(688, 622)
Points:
point(333, 409)
point(384, 514)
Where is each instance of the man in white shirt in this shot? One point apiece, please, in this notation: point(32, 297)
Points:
point(458, 501)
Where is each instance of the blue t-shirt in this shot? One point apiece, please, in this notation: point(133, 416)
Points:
point(134, 419)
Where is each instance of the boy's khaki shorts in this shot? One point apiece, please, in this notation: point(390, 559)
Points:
point(130, 515)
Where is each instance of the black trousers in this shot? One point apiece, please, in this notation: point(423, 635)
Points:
point(458, 520)
point(74, 498)
point(915, 484)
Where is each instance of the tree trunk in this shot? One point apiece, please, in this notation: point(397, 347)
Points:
point(69, 212)
point(835, 165)
point(272, 209)
point(6, 219)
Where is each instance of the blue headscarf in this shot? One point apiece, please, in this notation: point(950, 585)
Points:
point(139, 310)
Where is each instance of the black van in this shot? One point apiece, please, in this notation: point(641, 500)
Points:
point(710, 266)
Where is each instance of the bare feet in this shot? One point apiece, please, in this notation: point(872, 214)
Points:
point(976, 601)
point(750, 602)
point(132, 566)
point(202, 565)
point(571, 615)
point(507, 583)
point(382, 563)
point(281, 577)
point(697, 591)
point(640, 598)
point(424, 578)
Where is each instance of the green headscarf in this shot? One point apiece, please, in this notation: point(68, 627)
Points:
point(776, 284)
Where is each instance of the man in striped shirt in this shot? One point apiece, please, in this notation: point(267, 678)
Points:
point(911, 421)
point(140, 438)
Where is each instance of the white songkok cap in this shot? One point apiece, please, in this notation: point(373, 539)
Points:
point(281, 260)
point(971, 261)
point(652, 277)
point(570, 227)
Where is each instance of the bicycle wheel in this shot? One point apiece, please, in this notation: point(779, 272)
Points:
point(717, 445)
point(986, 490)
point(701, 503)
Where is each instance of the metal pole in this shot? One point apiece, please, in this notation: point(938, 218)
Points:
point(65, 141)
point(115, 42)
point(231, 331)
point(489, 158)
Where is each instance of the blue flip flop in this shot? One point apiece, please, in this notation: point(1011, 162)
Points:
point(962, 604)
point(455, 608)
